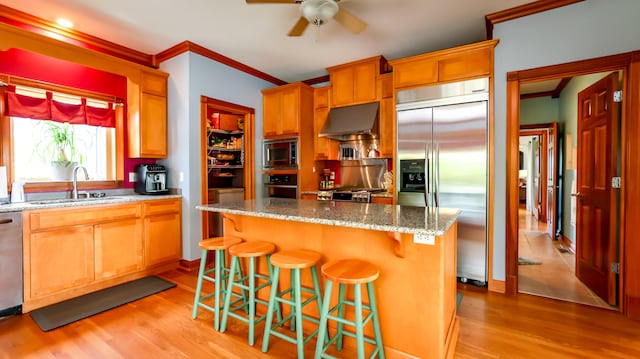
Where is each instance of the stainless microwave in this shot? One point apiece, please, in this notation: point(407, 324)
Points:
point(281, 153)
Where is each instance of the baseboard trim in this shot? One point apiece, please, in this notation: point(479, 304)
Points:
point(498, 286)
point(189, 266)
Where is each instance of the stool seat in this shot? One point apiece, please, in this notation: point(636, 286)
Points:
point(218, 243)
point(299, 258)
point(350, 271)
point(252, 249)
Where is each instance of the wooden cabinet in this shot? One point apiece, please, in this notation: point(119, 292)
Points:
point(386, 117)
point(60, 259)
point(118, 248)
point(324, 148)
point(456, 64)
point(76, 250)
point(161, 228)
point(382, 200)
point(355, 82)
point(148, 131)
point(284, 108)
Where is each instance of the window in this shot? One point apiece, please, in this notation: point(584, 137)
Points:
point(28, 146)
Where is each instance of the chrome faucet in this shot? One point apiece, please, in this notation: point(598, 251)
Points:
point(74, 191)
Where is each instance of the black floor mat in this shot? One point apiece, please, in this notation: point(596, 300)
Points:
point(69, 311)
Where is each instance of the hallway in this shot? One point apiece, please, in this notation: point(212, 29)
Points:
point(550, 268)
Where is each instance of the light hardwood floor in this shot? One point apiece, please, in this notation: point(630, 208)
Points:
point(160, 326)
point(554, 276)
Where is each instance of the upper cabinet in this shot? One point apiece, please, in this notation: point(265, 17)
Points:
point(386, 116)
point(148, 131)
point(324, 148)
point(284, 109)
point(456, 64)
point(356, 82)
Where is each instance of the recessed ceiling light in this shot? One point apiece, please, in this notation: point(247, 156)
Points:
point(64, 22)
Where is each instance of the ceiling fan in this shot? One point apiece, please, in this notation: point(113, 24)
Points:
point(318, 12)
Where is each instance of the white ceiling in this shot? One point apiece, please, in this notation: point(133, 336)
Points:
point(256, 34)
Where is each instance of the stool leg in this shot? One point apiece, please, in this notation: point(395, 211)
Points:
point(341, 315)
point(272, 305)
point(322, 326)
point(357, 298)
point(252, 298)
point(376, 320)
point(292, 285)
point(316, 288)
point(196, 301)
point(298, 310)
point(227, 295)
point(219, 278)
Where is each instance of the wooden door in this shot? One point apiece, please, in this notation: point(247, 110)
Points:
point(153, 126)
point(552, 180)
point(595, 206)
point(290, 109)
point(162, 238)
point(271, 114)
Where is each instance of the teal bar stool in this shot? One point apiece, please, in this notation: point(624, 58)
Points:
point(217, 275)
point(295, 260)
point(349, 272)
point(250, 250)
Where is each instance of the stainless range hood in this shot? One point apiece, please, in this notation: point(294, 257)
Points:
point(346, 123)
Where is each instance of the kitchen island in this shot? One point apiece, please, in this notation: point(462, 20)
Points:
point(414, 248)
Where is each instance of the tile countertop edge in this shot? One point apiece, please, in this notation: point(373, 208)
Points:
point(30, 205)
point(444, 224)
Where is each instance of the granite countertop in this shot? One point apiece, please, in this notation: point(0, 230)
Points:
point(378, 217)
point(65, 202)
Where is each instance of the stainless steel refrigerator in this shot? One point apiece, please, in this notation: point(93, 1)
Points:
point(442, 162)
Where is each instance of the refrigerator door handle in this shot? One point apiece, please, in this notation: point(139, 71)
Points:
point(426, 177)
point(436, 175)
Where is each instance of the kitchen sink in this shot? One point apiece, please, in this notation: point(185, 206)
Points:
point(71, 200)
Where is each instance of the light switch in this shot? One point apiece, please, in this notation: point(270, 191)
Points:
point(133, 177)
point(423, 238)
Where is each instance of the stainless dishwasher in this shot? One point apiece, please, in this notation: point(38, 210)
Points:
point(10, 263)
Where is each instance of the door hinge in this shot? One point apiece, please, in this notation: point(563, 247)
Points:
point(617, 96)
point(615, 182)
point(615, 267)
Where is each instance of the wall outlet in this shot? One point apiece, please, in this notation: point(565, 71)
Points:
point(423, 238)
point(133, 177)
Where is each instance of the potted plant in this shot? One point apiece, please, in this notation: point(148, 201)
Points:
point(59, 147)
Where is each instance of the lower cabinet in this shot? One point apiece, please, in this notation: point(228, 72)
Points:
point(60, 259)
point(77, 250)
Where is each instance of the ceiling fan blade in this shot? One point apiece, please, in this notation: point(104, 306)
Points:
point(350, 21)
point(299, 27)
point(273, 1)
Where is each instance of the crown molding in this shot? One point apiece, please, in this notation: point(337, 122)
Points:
point(50, 29)
point(522, 11)
point(203, 51)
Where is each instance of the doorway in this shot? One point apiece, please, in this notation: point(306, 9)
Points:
point(536, 231)
point(227, 157)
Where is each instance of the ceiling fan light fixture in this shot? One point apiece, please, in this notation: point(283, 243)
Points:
point(318, 12)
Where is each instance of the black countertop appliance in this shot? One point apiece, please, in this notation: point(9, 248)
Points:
point(151, 179)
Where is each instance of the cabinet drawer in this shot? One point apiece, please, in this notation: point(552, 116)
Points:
point(86, 215)
point(162, 206)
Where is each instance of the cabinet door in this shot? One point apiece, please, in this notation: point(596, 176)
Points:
point(60, 259)
point(386, 126)
point(153, 126)
point(118, 248)
point(325, 148)
point(382, 200)
point(364, 89)
point(290, 110)
point(162, 238)
point(342, 86)
point(271, 114)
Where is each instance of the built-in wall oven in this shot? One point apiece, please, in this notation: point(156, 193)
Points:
point(281, 154)
point(281, 185)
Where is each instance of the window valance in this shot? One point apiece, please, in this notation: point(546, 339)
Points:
point(49, 109)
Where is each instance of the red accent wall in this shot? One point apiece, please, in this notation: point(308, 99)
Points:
point(39, 67)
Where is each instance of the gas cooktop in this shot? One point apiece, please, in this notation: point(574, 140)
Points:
point(352, 194)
